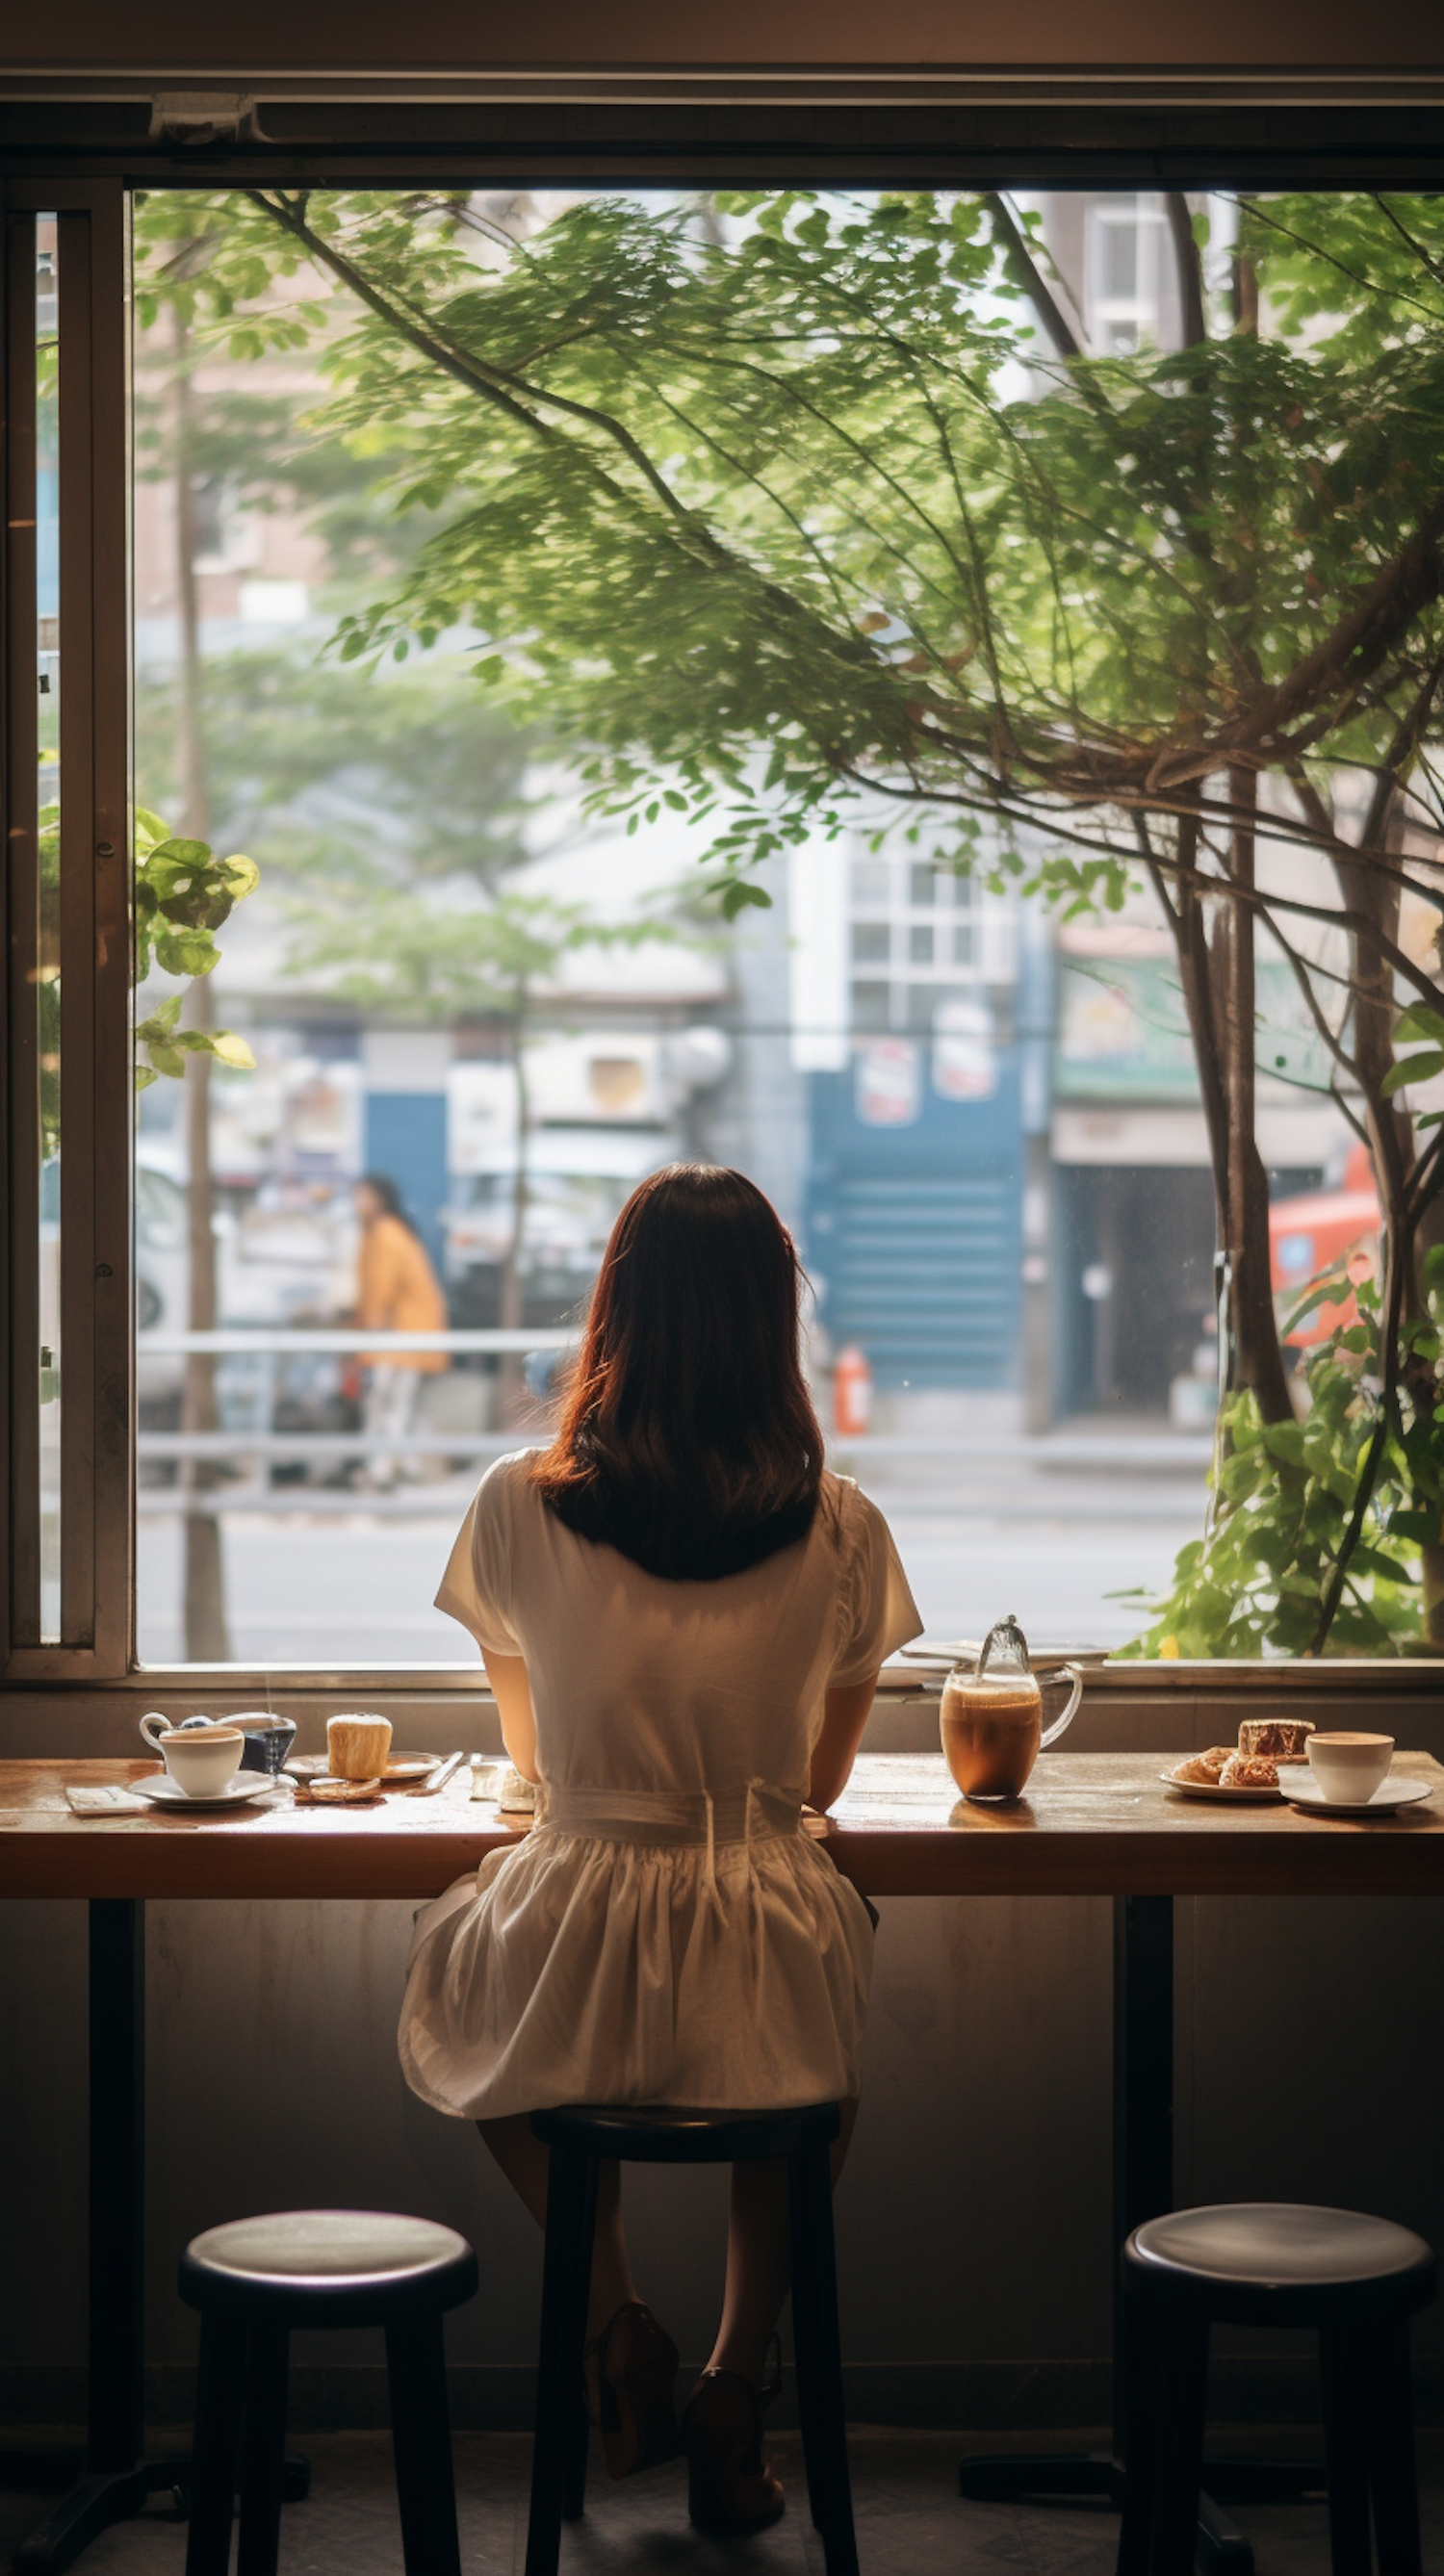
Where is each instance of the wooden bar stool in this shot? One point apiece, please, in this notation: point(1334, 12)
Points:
point(580, 2140)
point(255, 2279)
point(1356, 2282)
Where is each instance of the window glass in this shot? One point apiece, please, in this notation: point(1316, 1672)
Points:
point(435, 976)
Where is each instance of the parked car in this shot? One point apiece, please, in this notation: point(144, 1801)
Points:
point(1313, 1234)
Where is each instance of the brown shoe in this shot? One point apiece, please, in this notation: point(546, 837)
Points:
point(631, 2373)
point(730, 2487)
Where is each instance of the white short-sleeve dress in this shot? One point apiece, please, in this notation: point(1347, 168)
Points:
point(666, 1932)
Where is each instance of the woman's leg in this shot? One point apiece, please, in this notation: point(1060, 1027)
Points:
point(523, 2160)
point(759, 2258)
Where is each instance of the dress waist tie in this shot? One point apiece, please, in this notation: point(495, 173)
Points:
point(668, 1819)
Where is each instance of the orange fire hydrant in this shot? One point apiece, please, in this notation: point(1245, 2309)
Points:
point(851, 1391)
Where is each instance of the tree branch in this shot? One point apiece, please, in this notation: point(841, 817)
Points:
point(1190, 268)
point(1026, 274)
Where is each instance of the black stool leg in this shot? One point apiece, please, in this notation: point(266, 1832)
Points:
point(263, 2444)
point(1181, 2384)
point(217, 2438)
point(1345, 2355)
point(557, 2472)
point(1140, 2442)
point(1392, 2474)
point(421, 2439)
point(819, 2358)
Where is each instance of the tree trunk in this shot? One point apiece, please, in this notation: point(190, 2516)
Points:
point(207, 1637)
point(1254, 1357)
point(1391, 1131)
point(1218, 987)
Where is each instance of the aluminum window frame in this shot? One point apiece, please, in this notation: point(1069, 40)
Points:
point(97, 1547)
point(78, 149)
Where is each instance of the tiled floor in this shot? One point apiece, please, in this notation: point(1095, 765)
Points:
point(909, 2517)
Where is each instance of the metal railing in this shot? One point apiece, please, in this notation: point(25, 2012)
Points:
point(328, 1340)
point(259, 1448)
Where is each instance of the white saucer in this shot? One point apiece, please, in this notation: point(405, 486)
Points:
point(162, 1791)
point(1390, 1793)
point(1211, 1789)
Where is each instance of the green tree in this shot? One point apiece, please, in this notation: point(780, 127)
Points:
point(765, 519)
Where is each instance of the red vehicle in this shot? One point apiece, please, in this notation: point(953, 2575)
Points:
point(1315, 1233)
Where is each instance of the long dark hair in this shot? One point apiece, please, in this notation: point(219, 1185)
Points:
point(689, 1441)
point(388, 1192)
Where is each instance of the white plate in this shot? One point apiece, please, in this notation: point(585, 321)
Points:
point(161, 1790)
point(401, 1768)
point(1391, 1793)
point(1211, 1789)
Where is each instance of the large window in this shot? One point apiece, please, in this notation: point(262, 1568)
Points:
point(564, 742)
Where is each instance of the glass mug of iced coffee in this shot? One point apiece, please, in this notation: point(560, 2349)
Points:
point(992, 1716)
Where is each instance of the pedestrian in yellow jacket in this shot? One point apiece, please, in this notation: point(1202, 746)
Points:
point(397, 1292)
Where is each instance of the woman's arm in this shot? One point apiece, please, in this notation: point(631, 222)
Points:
point(844, 1715)
point(508, 1678)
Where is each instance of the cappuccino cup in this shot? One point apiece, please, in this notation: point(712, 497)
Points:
point(266, 1739)
point(202, 1760)
point(1350, 1767)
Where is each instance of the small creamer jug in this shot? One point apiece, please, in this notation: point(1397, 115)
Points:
point(992, 1716)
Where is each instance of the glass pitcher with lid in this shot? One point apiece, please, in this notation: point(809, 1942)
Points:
point(992, 1715)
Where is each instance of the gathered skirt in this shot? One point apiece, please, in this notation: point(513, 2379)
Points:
point(658, 1946)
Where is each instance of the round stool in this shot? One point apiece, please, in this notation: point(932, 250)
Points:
point(1355, 2281)
point(255, 2279)
point(581, 2139)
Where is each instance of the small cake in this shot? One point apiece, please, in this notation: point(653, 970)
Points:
point(1249, 1771)
point(1281, 1739)
point(1204, 1770)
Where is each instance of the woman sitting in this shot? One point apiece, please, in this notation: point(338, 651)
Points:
point(682, 1616)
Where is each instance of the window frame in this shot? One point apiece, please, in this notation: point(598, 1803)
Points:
point(82, 159)
point(97, 1546)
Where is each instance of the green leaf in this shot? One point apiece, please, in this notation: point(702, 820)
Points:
point(230, 1049)
point(737, 895)
point(1420, 1021)
point(1413, 1068)
point(1285, 1440)
point(1325, 1292)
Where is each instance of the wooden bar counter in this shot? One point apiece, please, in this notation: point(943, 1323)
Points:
point(1090, 1824)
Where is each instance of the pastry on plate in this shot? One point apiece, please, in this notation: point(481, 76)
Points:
point(1281, 1739)
point(1249, 1771)
point(1204, 1770)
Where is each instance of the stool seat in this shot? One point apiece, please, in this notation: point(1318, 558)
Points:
point(253, 2280)
point(1282, 2263)
point(328, 2267)
point(661, 2134)
point(1355, 2281)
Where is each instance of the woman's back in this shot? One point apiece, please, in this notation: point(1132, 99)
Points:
point(642, 1683)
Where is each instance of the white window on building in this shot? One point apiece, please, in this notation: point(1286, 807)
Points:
point(228, 538)
point(1126, 244)
point(921, 938)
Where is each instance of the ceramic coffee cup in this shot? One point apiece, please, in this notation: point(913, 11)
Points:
point(1350, 1767)
point(202, 1760)
point(267, 1739)
point(357, 1747)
